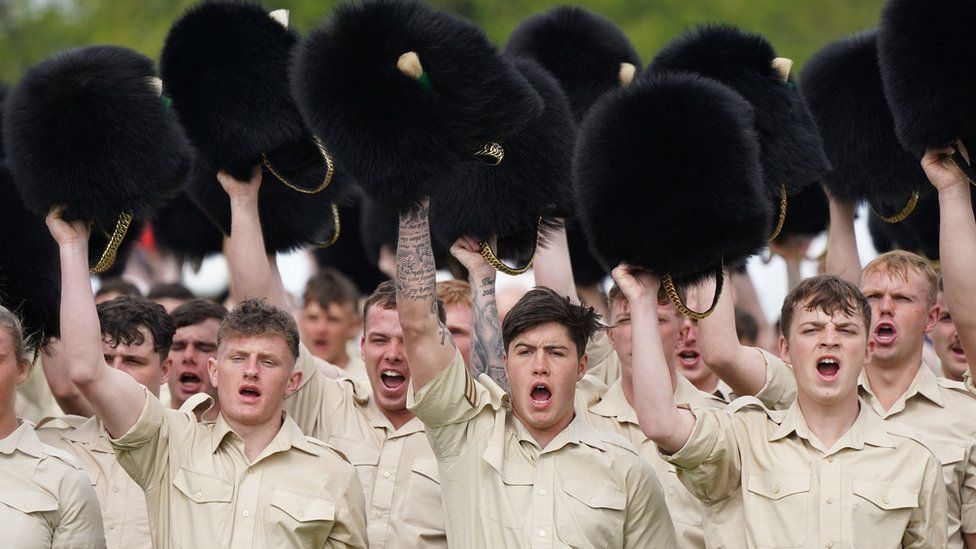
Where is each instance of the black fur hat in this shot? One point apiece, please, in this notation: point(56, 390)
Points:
point(928, 58)
point(585, 52)
point(348, 255)
point(807, 213)
point(398, 135)
point(792, 154)
point(532, 182)
point(4, 90)
point(182, 228)
point(378, 226)
point(892, 236)
point(30, 280)
point(842, 86)
point(86, 129)
point(668, 177)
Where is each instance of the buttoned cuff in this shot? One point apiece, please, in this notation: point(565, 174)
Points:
point(145, 428)
point(700, 443)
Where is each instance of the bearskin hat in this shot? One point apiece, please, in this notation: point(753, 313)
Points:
point(669, 179)
point(807, 213)
point(842, 86)
point(348, 255)
point(892, 236)
point(403, 94)
point(182, 228)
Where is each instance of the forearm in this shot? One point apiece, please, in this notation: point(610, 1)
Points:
point(65, 393)
point(552, 267)
point(741, 368)
point(486, 335)
point(250, 270)
point(428, 343)
point(957, 243)
point(842, 258)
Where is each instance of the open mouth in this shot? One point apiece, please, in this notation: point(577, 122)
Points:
point(541, 395)
point(249, 392)
point(885, 333)
point(689, 359)
point(828, 368)
point(392, 379)
point(186, 378)
point(958, 351)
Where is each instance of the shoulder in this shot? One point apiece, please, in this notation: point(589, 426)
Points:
point(752, 407)
point(60, 423)
point(327, 450)
point(589, 390)
point(957, 392)
point(907, 438)
point(59, 457)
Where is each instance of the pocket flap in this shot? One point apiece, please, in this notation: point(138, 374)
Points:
point(303, 507)
point(427, 468)
point(778, 486)
point(594, 495)
point(885, 496)
point(203, 488)
point(28, 501)
point(357, 453)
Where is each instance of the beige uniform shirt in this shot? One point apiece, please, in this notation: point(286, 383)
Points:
point(45, 500)
point(611, 412)
point(396, 466)
point(34, 399)
point(202, 491)
point(587, 488)
point(943, 414)
point(876, 487)
point(123, 503)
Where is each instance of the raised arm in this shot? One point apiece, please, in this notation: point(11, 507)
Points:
point(553, 268)
point(251, 271)
point(742, 368)
point(486, 332)
point(65, 393)
point(660, 419)
point(429, 345)
point(842, 258)
point(115, 397)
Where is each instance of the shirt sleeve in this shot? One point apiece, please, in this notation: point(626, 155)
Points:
point(968, 494)
point(779, 392)
point(648, 522)
point(81, 517)
point(316, 400)
point(349, 529)
point(928, 525)
point(601, 360)
point(709, 464)
point(144, 450)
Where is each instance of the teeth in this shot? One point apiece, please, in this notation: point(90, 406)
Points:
point(828, 361)
point(390, 373)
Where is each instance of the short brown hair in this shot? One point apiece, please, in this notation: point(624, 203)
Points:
point(173, 290)
point(542, 306)
point(254, 317)
point(118, 285)
point(195, 311)
point(121, 318)
point(829, 294)
point(384, 296)
point(899, 263)
point(329, 286)
point(454, 292)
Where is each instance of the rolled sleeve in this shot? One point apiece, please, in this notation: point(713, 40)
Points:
point(709, 464)
point(142, 450)
point(779, 392)
point(451, 397)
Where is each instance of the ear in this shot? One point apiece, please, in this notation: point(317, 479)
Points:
point(610, 337)
point(784, 349)
point(164, 370)
point(505, 362)
point(582, 367)
point(932, 318)
point(23, 370)
point(212, 370)
point(869, 350)
point(294, 380)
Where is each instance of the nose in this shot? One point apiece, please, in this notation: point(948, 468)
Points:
point(394, 351)
point(829, 337)
point(886, 304)
point(251, 367)
point(540, 366)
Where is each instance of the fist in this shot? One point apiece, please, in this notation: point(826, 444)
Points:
point(66, 232)
point(635, 283)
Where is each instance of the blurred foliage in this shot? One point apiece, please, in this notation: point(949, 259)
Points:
point(30, 30)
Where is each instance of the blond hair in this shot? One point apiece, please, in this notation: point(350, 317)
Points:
point(899, 263)
point(454, 292)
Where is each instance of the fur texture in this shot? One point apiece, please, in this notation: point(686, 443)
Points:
point(532, 181)
point(668, 177)
point(582, 50)
point(4, 90)
point(398, 140)
point(887, 237)
point(348, 254)
point(792, 153)
point(928, 57)
point(182, 228)
point(842, 86)
point(30, 279)
point(807, 213)
point(378, 226)
point(85, 129)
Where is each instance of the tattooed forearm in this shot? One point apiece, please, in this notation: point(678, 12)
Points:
point(486, 336)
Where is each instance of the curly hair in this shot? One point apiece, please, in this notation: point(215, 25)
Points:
point(121, 319)
point(254, 317)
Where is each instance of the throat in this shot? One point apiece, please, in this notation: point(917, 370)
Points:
point(398, 418)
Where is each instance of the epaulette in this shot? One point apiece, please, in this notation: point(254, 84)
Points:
point(618, 441)
point(956, 386)
point(753, 403)
point(326, 445)
point(60, 454)
point(61, 422)
point(192, 403)
point(899, 429)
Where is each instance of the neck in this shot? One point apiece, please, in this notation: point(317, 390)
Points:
point(627, 383)
point(889, 379)
point(707, 384)
point(8, 423)
point(398, 418)
point(341, 361)
point(256, 437)
point(951, 375)
point(829, 421)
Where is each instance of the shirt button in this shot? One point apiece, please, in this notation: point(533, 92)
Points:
point(830, 460)
point(830, 500)
point(115, 489)
point(885, 499)
point(776, 489)
point(379, 515)
point(301, 514)
point(542, 533)
point(386, 474)
point(250, 471)
point(829, 544)
point(111, 526)
point(542, 491)
point(198, 495)
point(27, 505)
point(246, 513)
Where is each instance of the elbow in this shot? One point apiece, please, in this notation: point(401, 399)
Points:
point(83, 377)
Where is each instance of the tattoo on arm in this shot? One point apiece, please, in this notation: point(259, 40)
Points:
point(486, 336)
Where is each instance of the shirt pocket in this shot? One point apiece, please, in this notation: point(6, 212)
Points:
point(28, 515)
point(880, 513)
point(590, 513)
point(776, 507)
point(363, 457)
point(299, 520)
point(209, 506)
point(950, 456)
point(506, 503)
point(423, 505)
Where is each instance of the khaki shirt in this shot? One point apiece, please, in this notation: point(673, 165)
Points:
point(202, 491)
point(122, 501)
point(45, 500)
point(355, 367)
point(587, 488)
point(396, 466)
point(876, 487)
point(941, 412)
point(34, 398)
point(613, 413)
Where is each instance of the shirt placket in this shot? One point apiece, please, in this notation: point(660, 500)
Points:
point(384, 485)
point(116, 501)
point(245, 534)
point(542, 511)
point(830, 502)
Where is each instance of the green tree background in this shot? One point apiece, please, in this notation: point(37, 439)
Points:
point(31, 30)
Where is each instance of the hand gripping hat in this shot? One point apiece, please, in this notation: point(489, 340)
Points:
point(791, 152)
point(842, 86)
point(522, 198)
point(87, 129)
point(404, 95)
point(225, 67)
point(928, 61)
point(668, 179)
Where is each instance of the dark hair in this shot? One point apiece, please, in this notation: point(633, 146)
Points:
point(196, 311)
point(746, 327)
point(329, 286)
point(542, 306)
point(170, 291)
point(385, 297)
point(829, 294)
point(258, 317)
point(122, 287)
point(121, 318)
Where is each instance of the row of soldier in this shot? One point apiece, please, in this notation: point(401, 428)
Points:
point(557, 432)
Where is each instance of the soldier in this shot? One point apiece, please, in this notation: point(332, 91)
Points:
point(329, 319)
point(194, 344)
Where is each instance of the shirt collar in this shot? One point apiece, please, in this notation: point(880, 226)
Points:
point(288, 436)
point(90, 433)
point(24, 440)
point(867, 429)
point(614, 405)
point(924, 383)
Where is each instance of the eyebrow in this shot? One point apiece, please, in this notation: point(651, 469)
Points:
point(545, 347)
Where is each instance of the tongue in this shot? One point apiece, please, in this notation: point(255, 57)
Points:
point(828, 370)
point(391, 382)
point(541, 393)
